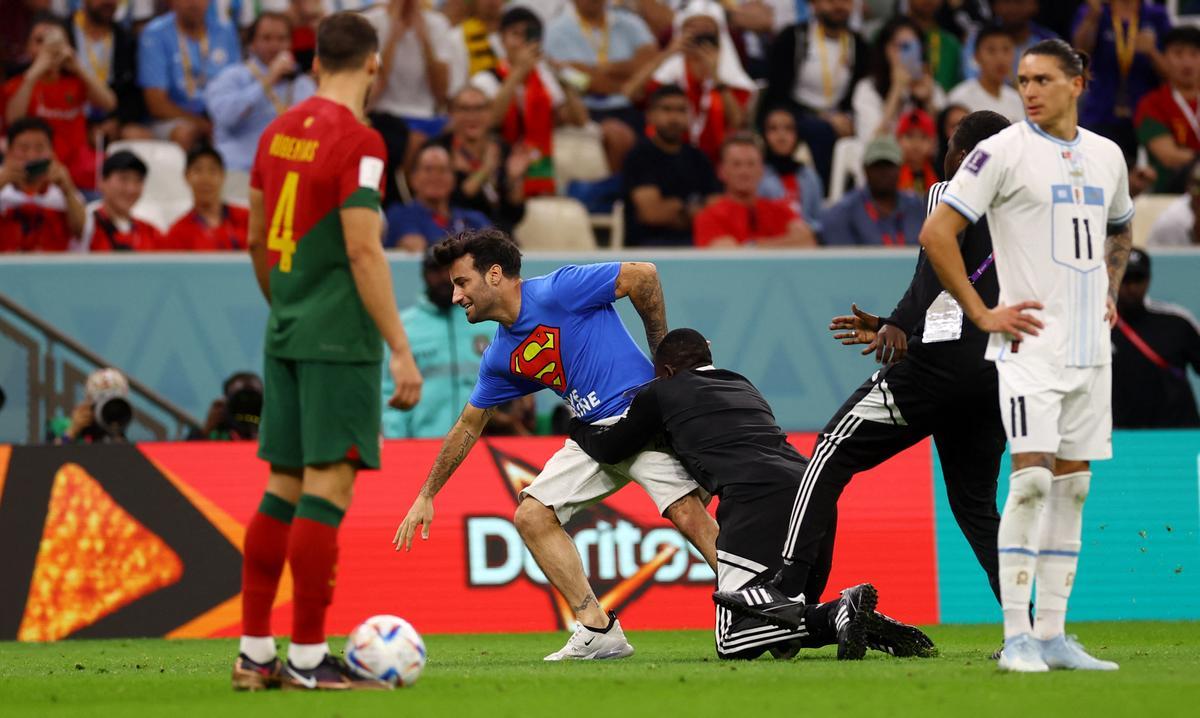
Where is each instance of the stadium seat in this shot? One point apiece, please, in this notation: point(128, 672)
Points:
point(1146, 208)
point(847, 163)
point(578, 155)
point(237, 188)
point(555, 224)
point(166, 195)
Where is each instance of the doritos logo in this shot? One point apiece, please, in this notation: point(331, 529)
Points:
point(539, 358)
point(976, 161)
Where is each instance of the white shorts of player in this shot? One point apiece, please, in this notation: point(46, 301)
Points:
point(1067, 412)
point(571, 480)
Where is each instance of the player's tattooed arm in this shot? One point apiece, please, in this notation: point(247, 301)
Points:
point(457, 444)
point(639, 281)
point(1116, 255)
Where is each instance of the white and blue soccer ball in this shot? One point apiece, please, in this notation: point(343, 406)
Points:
point(386, 648)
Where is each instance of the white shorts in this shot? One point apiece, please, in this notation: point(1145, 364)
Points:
point(572, 480)
point(1068, 415)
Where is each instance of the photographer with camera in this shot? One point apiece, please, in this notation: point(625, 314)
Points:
point(102, 417)
point(40, 209)
point(236, 414)
point(246, 97)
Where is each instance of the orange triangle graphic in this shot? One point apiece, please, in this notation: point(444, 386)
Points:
point(94, 558)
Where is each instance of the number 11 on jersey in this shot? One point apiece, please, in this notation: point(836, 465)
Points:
point(279, 237)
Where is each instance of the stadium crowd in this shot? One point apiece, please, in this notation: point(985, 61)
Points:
point(784, 123)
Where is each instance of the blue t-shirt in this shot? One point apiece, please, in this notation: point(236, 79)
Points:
point(416, 218)
point(568, 338)
point(567, 42)
point(1099, 102)
point(160, 64)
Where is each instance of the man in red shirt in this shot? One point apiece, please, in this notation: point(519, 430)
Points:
point(212, 225)
point(1166, 119)
point(740, 216)
point(109, 226)
point(57, 89)
point(40, 209)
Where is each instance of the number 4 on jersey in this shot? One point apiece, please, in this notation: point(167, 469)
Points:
point(280, 238)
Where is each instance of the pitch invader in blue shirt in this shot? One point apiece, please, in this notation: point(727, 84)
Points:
point(561, 332)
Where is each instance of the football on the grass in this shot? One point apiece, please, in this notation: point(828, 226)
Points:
point(387, 648)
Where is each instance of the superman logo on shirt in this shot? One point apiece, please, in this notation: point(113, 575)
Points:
point(539, 357)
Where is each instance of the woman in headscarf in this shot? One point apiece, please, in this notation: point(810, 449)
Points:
point(785, 176)
point(702, 60)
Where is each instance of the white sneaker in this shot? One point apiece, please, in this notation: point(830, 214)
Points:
point(1066, 652)
point(586, 644)
point(1022, 654)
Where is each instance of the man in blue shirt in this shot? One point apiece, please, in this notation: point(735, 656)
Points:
point(246, 97)
point(429, 218)
point(878, 214)
point(561, 332)
point(172, 81)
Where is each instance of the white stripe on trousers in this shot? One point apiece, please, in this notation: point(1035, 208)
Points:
point(756, 637)
point(842, 431)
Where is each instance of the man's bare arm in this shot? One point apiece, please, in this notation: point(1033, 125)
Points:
point(1116, 255)
point(256, 239)
point(639, 281)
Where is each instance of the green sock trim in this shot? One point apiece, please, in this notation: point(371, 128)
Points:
point(277, 508)
point(319, 509)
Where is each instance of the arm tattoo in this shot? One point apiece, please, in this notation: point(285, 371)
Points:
point(454, 450)
point(647, 297)
point(1116, 255)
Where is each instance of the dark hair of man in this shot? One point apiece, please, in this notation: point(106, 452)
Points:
point(1182, 35)
point(29, 124)
point(344, 41)
point(881, 69)
point(1074, 63)
point(977, 127)
point(518, 15)
point(199, 152)
point(487, 247)
point(267, 15)
point(990, 31)
point(741, 139)
point(49, 18)
point(664, 92)
point(683, 349)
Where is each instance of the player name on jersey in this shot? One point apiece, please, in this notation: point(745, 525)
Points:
point(293, 148)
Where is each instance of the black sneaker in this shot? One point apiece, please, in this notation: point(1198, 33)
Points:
point(250, 675)
point(331, 674)
point(850, 618)
point(894, 638)
point(765, 602)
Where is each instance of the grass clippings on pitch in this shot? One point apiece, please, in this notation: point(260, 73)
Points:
point(673, 673)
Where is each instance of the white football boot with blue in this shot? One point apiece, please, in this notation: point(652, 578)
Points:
point(1064, 651)
point(587, 644)
point(1022, 654)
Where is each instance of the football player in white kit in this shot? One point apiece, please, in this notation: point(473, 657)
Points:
point(1051, 191)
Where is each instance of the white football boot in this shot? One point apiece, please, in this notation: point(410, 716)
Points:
point(1022, 654)
point(588, 645)
point(1066, 652)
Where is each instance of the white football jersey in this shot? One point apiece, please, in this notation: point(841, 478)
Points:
point(1048, 204)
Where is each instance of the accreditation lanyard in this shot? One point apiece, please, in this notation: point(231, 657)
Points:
point(1125, 41)
point(823, 53)
point(935, 52)
point(982, 268)
point(596, 36)
point(698, 121)
point(99, 68)
point(888, 239)
point(192, 81)
point(278, 104)
point(1188, 113)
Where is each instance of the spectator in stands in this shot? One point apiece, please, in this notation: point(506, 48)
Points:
point(1166, 118)
point(305, 15)
point(103, 415)
point(1177, 226)
point(813, 68)
point(40, 209)
point(667, 181)
point(1124, 39)
point(211, 225)
point(917, 138)
point(108, 50)
point(58, 89)
point(237, 413)
point(430, 217)
point(1153, 345)
point(878, 214)
point(943, 51)
point(947, 123)
point(604, 48)
point(475, 42)
point(178, 54)
point(785, 176)
point(1015, 16)
point(899, 82)
point(992, 88)
point(527, 99)
point(741, 216)
point(447, 349)
point(702, 60)
point(109, 226)
point(246, 97)
point(413, 81)
point(488, 175)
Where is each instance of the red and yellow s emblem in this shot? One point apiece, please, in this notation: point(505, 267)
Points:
point(539, 357)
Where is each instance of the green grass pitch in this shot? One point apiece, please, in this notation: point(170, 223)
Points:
point(673, 673)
